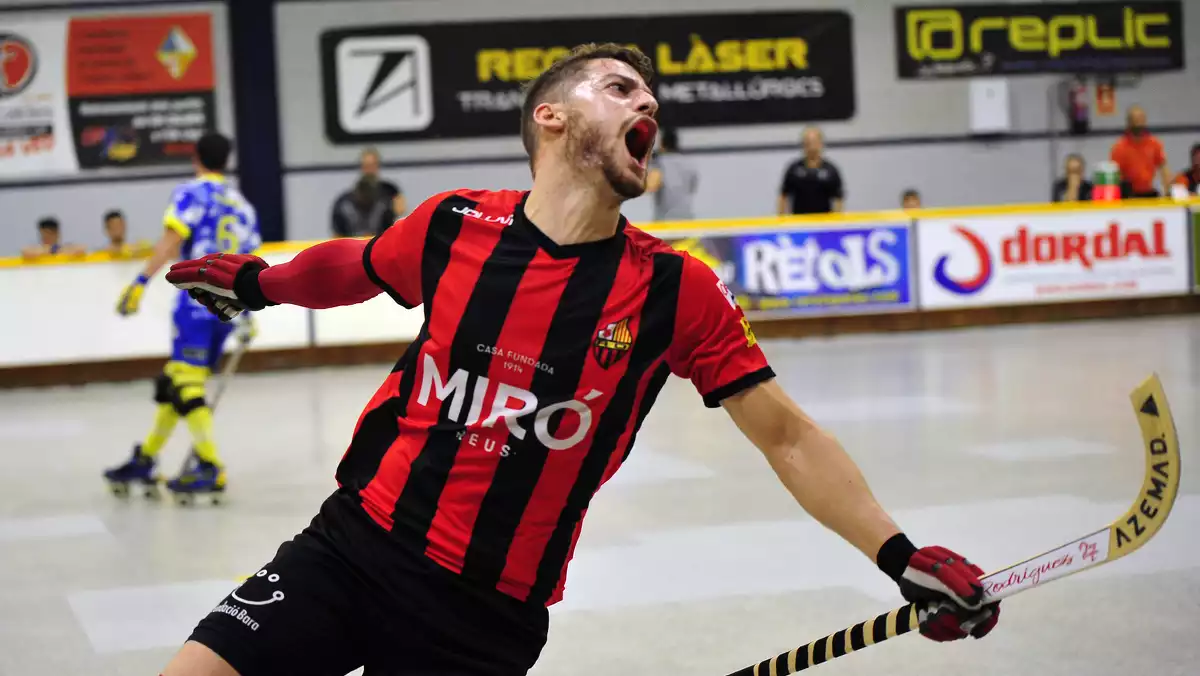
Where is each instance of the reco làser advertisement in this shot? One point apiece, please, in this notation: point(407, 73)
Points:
point(811, 271)
point(460, 80)
point(1028, 258)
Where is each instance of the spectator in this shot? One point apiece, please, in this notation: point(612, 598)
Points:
point(1138, 155)
point(673, 180)
point(910, 199)
point(812, 184)
point(364, 211)
point(116, 231)
point(50, 241)
point(369, 166)
point(1073, 186)
point(1190, 177)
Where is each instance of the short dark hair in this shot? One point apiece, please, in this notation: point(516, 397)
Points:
point(48, 223)
point(669, 138)
point(564, 71)
point(1195, 149)
point(213, 151)
point(113, 213)
point(911, 192)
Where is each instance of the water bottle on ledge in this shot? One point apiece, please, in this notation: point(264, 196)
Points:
point(1106, 182)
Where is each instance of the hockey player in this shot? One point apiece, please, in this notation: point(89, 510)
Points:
point(206, 215)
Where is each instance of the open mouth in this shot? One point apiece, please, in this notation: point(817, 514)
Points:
point(639, 140)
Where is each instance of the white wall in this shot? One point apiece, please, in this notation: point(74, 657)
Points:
point(73, 317)
point(733, 183)
point(744, 184)
point(887, 107)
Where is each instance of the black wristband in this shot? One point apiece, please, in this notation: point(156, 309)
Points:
point(893, 556)
point(248, 290)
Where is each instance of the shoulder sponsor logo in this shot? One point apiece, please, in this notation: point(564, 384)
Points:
point(383, 84)
point(506, 219)
point(18, 64)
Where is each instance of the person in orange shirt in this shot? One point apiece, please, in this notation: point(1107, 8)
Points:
point(1139, 155)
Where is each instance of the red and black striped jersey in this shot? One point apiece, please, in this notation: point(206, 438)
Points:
point(526, 386)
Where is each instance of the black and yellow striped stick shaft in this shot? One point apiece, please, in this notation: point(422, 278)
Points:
point(875, 630)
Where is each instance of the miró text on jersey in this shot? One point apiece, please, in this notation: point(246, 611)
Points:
point(503, 402)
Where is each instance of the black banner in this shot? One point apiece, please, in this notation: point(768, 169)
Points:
point(1031, 38)
point(395, 83)
point(140, 130)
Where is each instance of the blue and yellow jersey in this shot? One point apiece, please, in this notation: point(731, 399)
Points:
point(212, 217)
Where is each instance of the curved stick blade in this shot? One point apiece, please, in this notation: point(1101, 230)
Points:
point(1161, 483)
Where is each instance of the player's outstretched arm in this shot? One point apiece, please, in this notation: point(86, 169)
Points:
point(812, 465)
point(827, 483)
point(330, 274)
point(164, 250)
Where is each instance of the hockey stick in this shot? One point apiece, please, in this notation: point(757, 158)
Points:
point(1123, 536)
point(244, 335)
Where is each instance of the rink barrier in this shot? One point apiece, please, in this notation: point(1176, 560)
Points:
point(796, 276)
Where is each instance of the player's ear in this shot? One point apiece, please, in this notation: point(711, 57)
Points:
point(550, 116)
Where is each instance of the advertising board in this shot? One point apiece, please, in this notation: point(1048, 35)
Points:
point(811, 271)
point(1051, 257)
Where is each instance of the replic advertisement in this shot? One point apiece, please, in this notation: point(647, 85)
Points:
point(1043, 258)
point(402, 82)
point(940, 41)
point(103, 91)
point(809, 271)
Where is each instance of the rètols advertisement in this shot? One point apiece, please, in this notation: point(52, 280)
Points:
point(811, 271)
point(403, 82)
point(940, 41)
point(82, 93)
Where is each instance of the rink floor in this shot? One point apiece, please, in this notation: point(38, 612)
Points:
point(999, 443)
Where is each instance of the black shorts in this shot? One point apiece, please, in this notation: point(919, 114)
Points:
point(343, 594)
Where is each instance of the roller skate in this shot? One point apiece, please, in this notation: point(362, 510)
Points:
point(139, 471)
point(198, 478)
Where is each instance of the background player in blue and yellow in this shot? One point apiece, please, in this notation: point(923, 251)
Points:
point(206, 215)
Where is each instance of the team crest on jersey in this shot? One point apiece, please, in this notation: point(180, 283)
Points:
point(612, 343)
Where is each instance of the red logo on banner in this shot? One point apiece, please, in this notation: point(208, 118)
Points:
point(18, 63)
point(1115, 242)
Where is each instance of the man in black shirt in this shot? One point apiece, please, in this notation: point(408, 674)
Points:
point(369, 164)
point(812, 184)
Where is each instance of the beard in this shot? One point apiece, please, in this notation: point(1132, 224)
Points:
point(586, 149)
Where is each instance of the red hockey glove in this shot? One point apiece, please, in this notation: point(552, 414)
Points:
point(945, 586)
point(226, 284)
